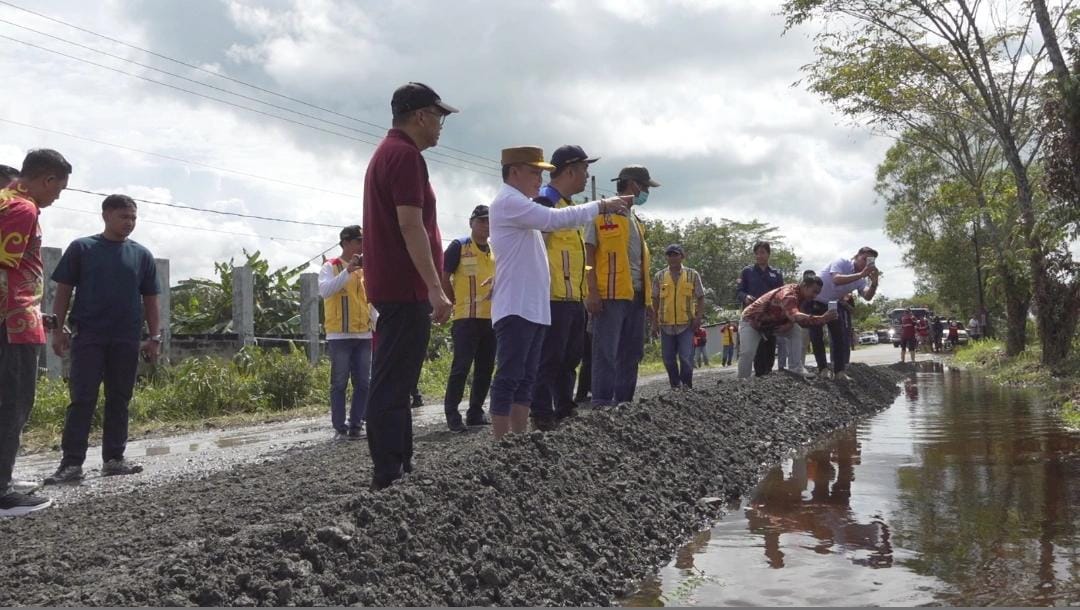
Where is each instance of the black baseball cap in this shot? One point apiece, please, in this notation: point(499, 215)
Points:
point(352, 232)
point(480, 211)
point(570, 153)
point(414, 96)
point(674, 248)
point(637, 173)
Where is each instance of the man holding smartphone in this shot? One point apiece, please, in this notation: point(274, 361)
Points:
point(839, 278)
point(115, 285)
point(347, 322)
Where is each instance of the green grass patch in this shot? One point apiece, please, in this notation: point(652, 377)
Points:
point(199, 391)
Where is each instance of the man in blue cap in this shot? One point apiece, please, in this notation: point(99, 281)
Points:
point(553, 398)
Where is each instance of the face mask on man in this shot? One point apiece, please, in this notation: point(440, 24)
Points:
point(641, 198)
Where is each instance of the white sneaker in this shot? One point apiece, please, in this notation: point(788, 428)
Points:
point(804, 373)
point(25, 487)
point(842, 376)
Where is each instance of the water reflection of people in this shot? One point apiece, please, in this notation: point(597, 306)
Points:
point(781, 506)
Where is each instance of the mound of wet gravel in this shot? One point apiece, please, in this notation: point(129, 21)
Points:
point(564, 518)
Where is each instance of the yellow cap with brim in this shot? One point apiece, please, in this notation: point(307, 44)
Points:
point(528, 155)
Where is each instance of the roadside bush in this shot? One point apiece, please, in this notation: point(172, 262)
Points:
point(284, 380)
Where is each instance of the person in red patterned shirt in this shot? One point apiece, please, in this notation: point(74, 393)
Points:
point(776, 314)
point(43, 176)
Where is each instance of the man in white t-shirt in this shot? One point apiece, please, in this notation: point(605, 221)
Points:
point(839, 278)
point(521, 307)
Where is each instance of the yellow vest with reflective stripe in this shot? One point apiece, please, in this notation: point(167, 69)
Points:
point(613, 258)
point(566, 261)
point(471, 296)
point(676, 298)
point(347, 310)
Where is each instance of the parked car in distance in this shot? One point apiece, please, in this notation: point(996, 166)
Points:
point(868, 338)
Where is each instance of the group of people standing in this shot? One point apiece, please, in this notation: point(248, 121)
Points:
point(535, 278)
point(106, 291)
point(776, 314)
point(537, 286)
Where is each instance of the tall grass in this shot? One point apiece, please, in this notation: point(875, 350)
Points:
point(256, 381)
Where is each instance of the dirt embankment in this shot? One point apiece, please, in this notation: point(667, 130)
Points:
point(566, 518)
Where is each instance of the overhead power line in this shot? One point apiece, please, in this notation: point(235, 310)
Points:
point(486, 166)
point(177, 159)
point(219, 75)
point(207, 229)
point(224, 101)
point(210, 211)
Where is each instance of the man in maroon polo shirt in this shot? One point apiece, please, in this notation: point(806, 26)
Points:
point(402, 258)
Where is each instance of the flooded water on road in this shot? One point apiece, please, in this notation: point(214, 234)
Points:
point(962, 493)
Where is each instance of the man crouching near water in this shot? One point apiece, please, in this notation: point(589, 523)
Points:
point(776, 313)
point(521, 307)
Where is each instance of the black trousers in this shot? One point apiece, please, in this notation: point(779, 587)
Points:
point(584, 378)
point(563, 344)
point(474, 348)
point(98, 359)
point(765, 356)
point(18, 382)
point(401, 343)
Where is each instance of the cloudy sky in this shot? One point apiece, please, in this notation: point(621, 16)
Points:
point(700, 91)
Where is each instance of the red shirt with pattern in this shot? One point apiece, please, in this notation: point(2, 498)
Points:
point(21, 270)
point(771, 310)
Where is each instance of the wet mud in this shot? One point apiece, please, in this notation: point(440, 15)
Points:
point(572, 517)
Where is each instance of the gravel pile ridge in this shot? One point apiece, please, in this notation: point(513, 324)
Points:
point(572, 517)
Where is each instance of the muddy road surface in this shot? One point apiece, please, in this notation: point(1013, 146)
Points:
point(572, 517)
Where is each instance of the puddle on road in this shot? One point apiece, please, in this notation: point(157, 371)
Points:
point(152, 451)
point(959, 494)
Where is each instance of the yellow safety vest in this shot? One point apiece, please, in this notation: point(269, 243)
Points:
point(677, 298)
point(472, 299)
point(728, 335)
point(566, 261)
point(613, 258)
point(347, 310)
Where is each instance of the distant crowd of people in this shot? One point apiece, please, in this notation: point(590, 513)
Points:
point(551, 303)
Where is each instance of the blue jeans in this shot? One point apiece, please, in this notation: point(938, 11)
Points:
point(678, 354)
point(729, 354)
point(617, 348)
point(349, 359)
point(518, 358)
point(97, 360)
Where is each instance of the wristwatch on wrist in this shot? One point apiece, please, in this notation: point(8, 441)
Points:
point(156, 338)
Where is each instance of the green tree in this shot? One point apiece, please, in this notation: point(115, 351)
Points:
point(204, 306)
point(897, 62)
point(719, 251)
point(940, 194)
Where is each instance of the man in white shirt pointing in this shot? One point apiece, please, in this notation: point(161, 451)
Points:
point(521, 310)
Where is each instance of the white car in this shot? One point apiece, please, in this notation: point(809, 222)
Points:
point(868, 339)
